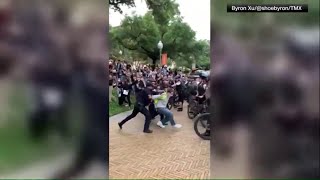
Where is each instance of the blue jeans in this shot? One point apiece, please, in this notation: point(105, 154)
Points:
point(168, 116)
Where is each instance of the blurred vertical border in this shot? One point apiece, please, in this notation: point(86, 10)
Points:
point(60, 45)
point(265, 92)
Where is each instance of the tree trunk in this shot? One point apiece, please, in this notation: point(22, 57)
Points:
point(154, 61)
point(193, 64)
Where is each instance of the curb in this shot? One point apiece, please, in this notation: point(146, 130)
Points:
point(117, 116)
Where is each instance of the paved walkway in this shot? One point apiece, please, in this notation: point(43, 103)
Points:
point(166, 153)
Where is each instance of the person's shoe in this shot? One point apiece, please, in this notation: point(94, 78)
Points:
point(166, 124)
point(177, 126)
point(159, 123)
point(148, 131)
point(120, 125)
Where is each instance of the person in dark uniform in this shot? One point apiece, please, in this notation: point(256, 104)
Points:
point(152, 108)
point(202, 86)
point(143, 99)
point(119, 68)
point(179, 90)
point(139, 84)
point(201, 97)
point(127, 88)
point(120, 96)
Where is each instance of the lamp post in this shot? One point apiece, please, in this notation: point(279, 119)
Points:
point(160, 46)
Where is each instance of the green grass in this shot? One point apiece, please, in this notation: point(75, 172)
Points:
point(114, 107)
point(17, 149)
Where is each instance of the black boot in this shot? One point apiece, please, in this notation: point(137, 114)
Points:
point(120, 125)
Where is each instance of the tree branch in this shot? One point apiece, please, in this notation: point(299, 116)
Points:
point(115, 4)
point(162, 35)
point(138, 35)
point(150, 54)
point(174, 41)
point(146, 50)
point(127, 47)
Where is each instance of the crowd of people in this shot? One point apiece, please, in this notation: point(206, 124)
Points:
point(153, 88)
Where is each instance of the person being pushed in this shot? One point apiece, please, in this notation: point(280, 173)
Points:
point(161, 102)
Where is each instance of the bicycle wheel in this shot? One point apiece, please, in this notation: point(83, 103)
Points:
point(190, 112)
point(201, 124)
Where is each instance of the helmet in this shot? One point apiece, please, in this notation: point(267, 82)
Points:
point(203, 76)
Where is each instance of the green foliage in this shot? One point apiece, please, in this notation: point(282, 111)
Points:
point(141, 34)
point(164, 12)
point(202, 54)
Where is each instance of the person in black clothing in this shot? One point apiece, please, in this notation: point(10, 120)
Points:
point(175, 73)
point(201, 98)
point(152, 108)
point(120, 96)
point(119, 67)
point(143, 99)
point(94, 138)
point(179, 89)
point(139, 84)
point(202, 86)
point(134, 83)
point(126, 92)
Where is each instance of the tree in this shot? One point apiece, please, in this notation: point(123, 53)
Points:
point(142, 33)
point(164, 12)
point(116, 47)
point(115, 4)
point(133, 57)
point(202, 54)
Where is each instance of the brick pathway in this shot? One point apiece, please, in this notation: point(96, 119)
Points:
point(166, 153)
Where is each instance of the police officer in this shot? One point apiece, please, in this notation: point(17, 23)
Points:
point(143, 99)
point(202, 87)
point(179, 89)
